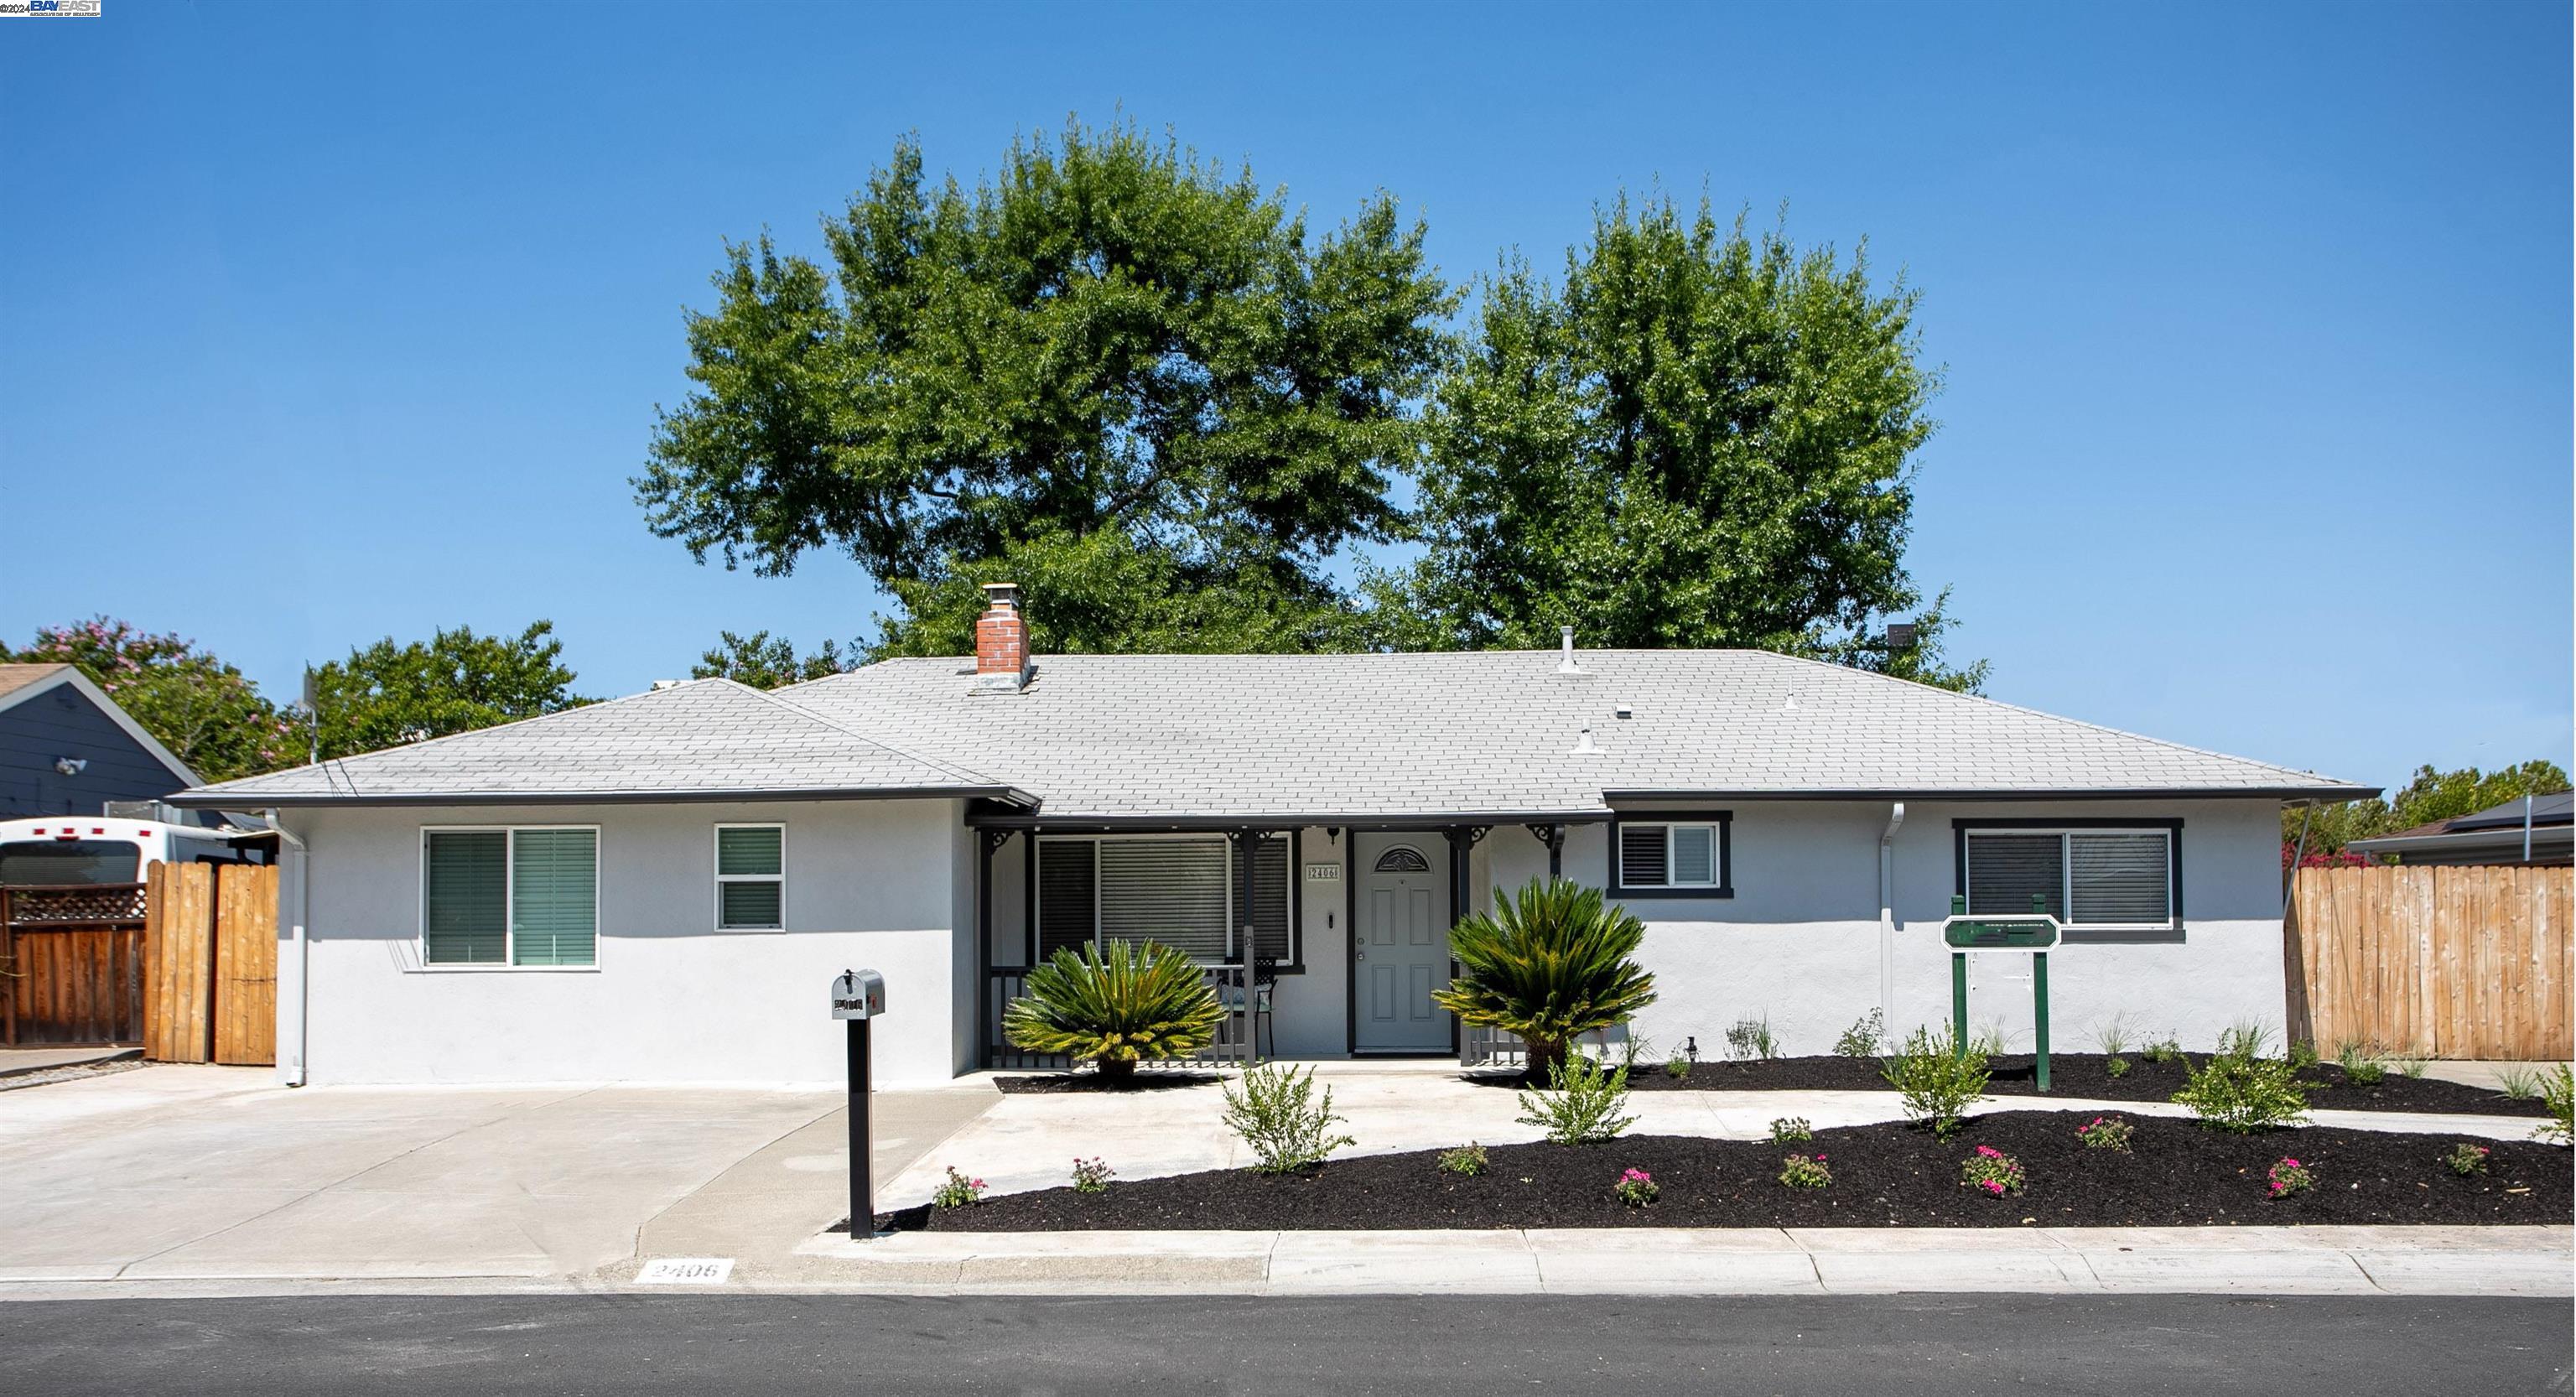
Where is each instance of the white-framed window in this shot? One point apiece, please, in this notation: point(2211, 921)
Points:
point(511, 896)
point(1184, 890)
point(1676, 856)
point(2101, 878)
point(751, 877)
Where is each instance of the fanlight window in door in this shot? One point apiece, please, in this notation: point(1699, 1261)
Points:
point(1402, 859)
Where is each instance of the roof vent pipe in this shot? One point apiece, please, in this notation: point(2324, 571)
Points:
point(1565, 643)
point(1583, 745)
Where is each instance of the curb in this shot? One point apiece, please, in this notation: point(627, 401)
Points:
point(2472, 1261)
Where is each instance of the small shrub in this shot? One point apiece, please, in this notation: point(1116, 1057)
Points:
point(2106, 1133)
point(1091, 1175)
point(2116, 1068)
point(1634, 1049)
point(2366, 1072)
point(2244, 1038)
point(1636, 1188)
point(1677, 1067)
point(1751, 1039)
point(2162, 1050)
point(2466, 1159)
point(1805, 1171)
point(1583, 1107)
point(2289, 1177)
point(1790, 1130)
point(1467, 1160)
point(2558, 1092)
point(2302, 1054)
point(2243, 1094)
point(957, 1191)
point(1987, 1041)
point(2410, 1066)
point(1936, 1083)
point(1992, 1172)
point(2112, 1035)
point(2519, 1083)
point(1867, 1037)
point(1277, 1114)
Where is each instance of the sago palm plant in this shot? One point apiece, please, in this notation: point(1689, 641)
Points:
point(1131, 1002)
point(1550, 963)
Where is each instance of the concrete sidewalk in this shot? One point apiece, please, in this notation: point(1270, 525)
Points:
point(2537, 1261)
point(1029, 1141)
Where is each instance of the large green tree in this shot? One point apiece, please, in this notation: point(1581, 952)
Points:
point(385, 695)
point(199, 707)
point(2432, 795)
point(1699, 438)
point(1113, 371)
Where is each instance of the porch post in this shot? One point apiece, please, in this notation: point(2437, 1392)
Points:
point(987, 843)
point(1242, 844)
point(1553, 836)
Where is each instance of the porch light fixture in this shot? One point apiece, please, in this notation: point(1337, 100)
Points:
point(71, 766)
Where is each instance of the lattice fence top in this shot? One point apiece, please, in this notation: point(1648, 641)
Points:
point(86, 904)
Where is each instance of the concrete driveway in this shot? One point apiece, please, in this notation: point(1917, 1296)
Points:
point(173, 1173)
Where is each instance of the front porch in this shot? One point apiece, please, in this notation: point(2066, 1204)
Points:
point(1323, 942)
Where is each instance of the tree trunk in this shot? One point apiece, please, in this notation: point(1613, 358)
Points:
point(1543, 1057)
point(1116, 1069)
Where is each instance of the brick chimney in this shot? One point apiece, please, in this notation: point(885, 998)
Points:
point(1001, 642)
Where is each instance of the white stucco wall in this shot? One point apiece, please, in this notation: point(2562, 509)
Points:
point(1799, 941)
point(875, 884)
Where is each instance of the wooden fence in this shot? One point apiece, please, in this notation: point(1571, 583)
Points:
point(73, 961)
point(2472, 962)
point(210, 964)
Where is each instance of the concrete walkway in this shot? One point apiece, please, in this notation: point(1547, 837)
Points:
point(1029, 1141)
point(1714, 1261)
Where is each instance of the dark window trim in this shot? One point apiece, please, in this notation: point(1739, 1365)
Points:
point(1725, 822)
point(2171, 936)
point(1293, 838)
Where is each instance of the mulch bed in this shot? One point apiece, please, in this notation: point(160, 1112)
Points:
point(1059, 1083)
point(2176, 1173)
point(2082, 1075)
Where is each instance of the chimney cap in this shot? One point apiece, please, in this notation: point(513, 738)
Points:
point(1002, 593)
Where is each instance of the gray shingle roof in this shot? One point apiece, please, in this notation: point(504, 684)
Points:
point(703, 740)
point(1388, 736)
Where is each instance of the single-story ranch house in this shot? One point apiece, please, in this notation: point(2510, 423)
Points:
point(661, 888)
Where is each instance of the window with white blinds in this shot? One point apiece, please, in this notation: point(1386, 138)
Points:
point(2087, 877)
point(1184, 892)
point(1675, 856)
point(517, 897)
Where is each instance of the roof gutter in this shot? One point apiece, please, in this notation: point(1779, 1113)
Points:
point(1300, 819)
point(2328, 795)
point(216, 798)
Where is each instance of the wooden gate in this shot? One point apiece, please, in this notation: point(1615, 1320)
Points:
point(210, 964)
point(2471, 962)
point(73, 958)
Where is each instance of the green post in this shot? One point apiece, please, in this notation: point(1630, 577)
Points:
point(2039, 991)
point(2039, 1009)
point(1958, 987)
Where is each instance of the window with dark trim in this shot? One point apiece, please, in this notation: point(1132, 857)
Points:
point(1676, 855)
point(2106, 879)
point(1186, 891)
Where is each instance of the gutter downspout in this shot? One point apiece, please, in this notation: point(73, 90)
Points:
point(1887, 914)
point(291, 998)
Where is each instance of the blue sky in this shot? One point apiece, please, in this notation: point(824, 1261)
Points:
point(326, 323)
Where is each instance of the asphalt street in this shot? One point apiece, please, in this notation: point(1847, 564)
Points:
point(1923, 1346)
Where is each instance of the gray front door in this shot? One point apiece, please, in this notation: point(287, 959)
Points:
point(1403, 948)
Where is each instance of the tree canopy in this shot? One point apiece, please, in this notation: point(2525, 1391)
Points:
point(1700, 438)
point(202, 709)
point(1112, 366)
point(764, 661)
point(2432, 795)
point(385, 695)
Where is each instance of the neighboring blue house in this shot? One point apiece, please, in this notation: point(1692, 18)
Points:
point(67, 749)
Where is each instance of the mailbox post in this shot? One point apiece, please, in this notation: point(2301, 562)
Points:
point(858, 996)
point(2036, 933)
